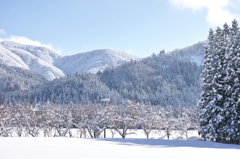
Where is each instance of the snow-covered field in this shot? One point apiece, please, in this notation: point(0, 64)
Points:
point(138, 133)
point(134, 146)
point(86, 148)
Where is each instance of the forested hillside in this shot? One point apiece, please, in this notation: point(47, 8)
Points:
point(83, 88)
point(162, 79)
point(194, 52)
point(16, 79)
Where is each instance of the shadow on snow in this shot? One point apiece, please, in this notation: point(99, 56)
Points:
point(171, 143)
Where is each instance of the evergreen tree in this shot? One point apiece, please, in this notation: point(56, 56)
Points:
point(220, 104)
point(231, 111)
point(207, 97)
point(219, 81)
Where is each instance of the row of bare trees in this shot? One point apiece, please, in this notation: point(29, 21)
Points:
point(53, 120)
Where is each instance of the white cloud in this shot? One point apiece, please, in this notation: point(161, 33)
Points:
point(218, 12)
point(2, 31)
point(26, 41)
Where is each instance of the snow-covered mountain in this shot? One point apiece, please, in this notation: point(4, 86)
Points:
point(38, 59)
point(194, 52)
point(93, 61)
point(53, 65)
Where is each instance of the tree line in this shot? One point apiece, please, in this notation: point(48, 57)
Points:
point(93, 119)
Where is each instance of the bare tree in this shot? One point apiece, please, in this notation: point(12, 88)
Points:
point(28, 118)
point(105, 102)
point(166, 121)
point(6, 115)
point(78, 119)
point(185, 121)
point(147, 119)
point(60, 118)
point(125, 117)
point(95, 118)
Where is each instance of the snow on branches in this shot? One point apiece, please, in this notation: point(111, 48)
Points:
point(219, 104)
point(92, 120)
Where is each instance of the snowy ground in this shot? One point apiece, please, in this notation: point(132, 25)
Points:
point(131, 133)
point(134, 146)
point(86, 148)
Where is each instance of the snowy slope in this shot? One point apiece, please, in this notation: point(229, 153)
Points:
point(9, 58)
point(72, 148)
point(53, 65)
point(37, 59)
point(194, 52)
point(93, 61)
point(42, 53)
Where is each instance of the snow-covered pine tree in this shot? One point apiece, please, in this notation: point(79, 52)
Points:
point(219, 82)
point(207, 86)
point(213, 96)
point(231, 110)
point(222, 78)
point(220, 104)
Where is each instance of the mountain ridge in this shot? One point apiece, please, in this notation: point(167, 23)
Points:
point(162, 79)
point(193, 52)
point(93, 61)
point(52, 65)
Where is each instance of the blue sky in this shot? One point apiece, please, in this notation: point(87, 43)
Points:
point(139, 27)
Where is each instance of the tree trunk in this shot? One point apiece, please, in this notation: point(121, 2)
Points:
point(168, 133)
point(104, 133)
